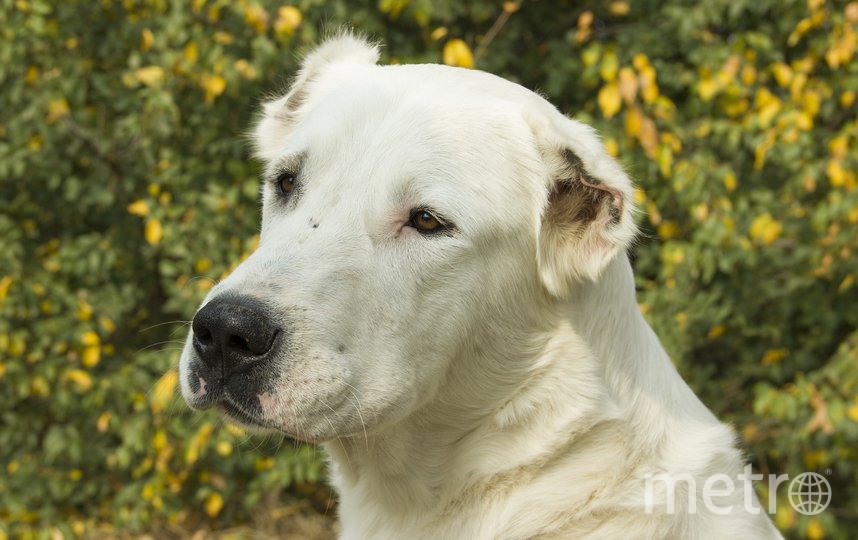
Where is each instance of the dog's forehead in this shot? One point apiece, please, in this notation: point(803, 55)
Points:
point(423, 121)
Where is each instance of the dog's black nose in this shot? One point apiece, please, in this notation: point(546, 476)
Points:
point(232, 334)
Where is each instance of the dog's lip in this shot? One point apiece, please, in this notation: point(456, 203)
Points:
point(235, 411)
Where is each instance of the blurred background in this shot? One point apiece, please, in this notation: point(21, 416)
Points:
point(127, 190)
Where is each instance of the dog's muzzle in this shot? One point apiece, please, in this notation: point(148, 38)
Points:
point(234, 342)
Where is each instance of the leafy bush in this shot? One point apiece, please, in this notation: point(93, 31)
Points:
point(126, 189)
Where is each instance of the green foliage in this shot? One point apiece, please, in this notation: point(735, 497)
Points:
point(126, 188)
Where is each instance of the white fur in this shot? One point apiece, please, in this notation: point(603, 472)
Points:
point(499, 382)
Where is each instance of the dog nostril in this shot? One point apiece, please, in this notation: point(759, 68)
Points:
point(238, 343)
point(204, 336)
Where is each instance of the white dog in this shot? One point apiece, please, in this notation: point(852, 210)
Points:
point(441, 296)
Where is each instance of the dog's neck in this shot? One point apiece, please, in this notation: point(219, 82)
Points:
point(610, 369)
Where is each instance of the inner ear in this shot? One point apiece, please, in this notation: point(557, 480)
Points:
point(589, 195)
point(582, 224)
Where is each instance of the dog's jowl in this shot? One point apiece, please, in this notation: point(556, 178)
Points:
point(441, 297)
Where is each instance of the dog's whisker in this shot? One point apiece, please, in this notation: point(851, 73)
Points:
point(357, 407)
point(182, 323)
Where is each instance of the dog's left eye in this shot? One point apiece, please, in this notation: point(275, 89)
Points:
point(425, 222)
point(286, 183)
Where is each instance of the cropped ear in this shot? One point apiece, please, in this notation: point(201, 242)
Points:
point(280, 114)
point(588, 214)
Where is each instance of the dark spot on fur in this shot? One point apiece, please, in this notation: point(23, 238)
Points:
point(341, 348)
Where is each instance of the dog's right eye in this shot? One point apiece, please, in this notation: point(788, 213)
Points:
point(286, 183)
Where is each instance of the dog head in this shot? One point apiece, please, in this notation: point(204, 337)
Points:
point(411, 214)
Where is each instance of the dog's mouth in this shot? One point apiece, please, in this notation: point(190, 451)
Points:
point(234, 412)
point(239, 415)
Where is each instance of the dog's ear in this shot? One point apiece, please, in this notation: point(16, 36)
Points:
point(588, 214)
point(280, 114)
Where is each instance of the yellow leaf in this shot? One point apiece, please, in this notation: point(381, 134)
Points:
point(804, 121)
point(640, 61)
point(84, 310)
point(138, 208)
point(851, 12)
point(634, 121)
point(783, 74)
point(668, 230)
point(619, 8)
point(749, 75)
point(214, 85)
point(256, 17)
point(57, 108)
point(814, 530)
point(103, 421)
point(288, 19)
point(836, 173)
point(765, 229)
point(648, 136)
point(511, 7)
point(612, 147)
point(90, 356)
point(264, 463)
point(214, 504)
point(107, 323)
point(665, 160)
point(760, 152)
point(150, 75)
point(164, 390)
point(628, 85)
point(707, 88)
point(153, 232)
point(203, 265)
point(591, 55)
point(773, 356)
point(585, 19)
point(716, 331)
point(224, 448)
point(192, 52)
point(34, 144)
point(768, 105)
point(2, 369)
point(147, 39)
point(223, 38)
point(800, 29)
point(457, 53)
point(81, 378)
point(39, 387)
point(90, 338)
point(192, 454)
point(159, 441)
point(649, 88)
point(839, 146)
point(700, 211)
point(245, 69)
point(610, 65)
point(31, 75)
point(847, 282)
point(438, 33)
point(5, 284)
point(609, 99)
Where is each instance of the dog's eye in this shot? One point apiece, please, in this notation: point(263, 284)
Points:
point(286, 183)
point(425, 222)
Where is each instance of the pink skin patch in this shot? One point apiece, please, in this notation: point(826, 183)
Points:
point(202, 390)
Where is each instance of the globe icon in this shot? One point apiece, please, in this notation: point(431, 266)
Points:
point(809, 493)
